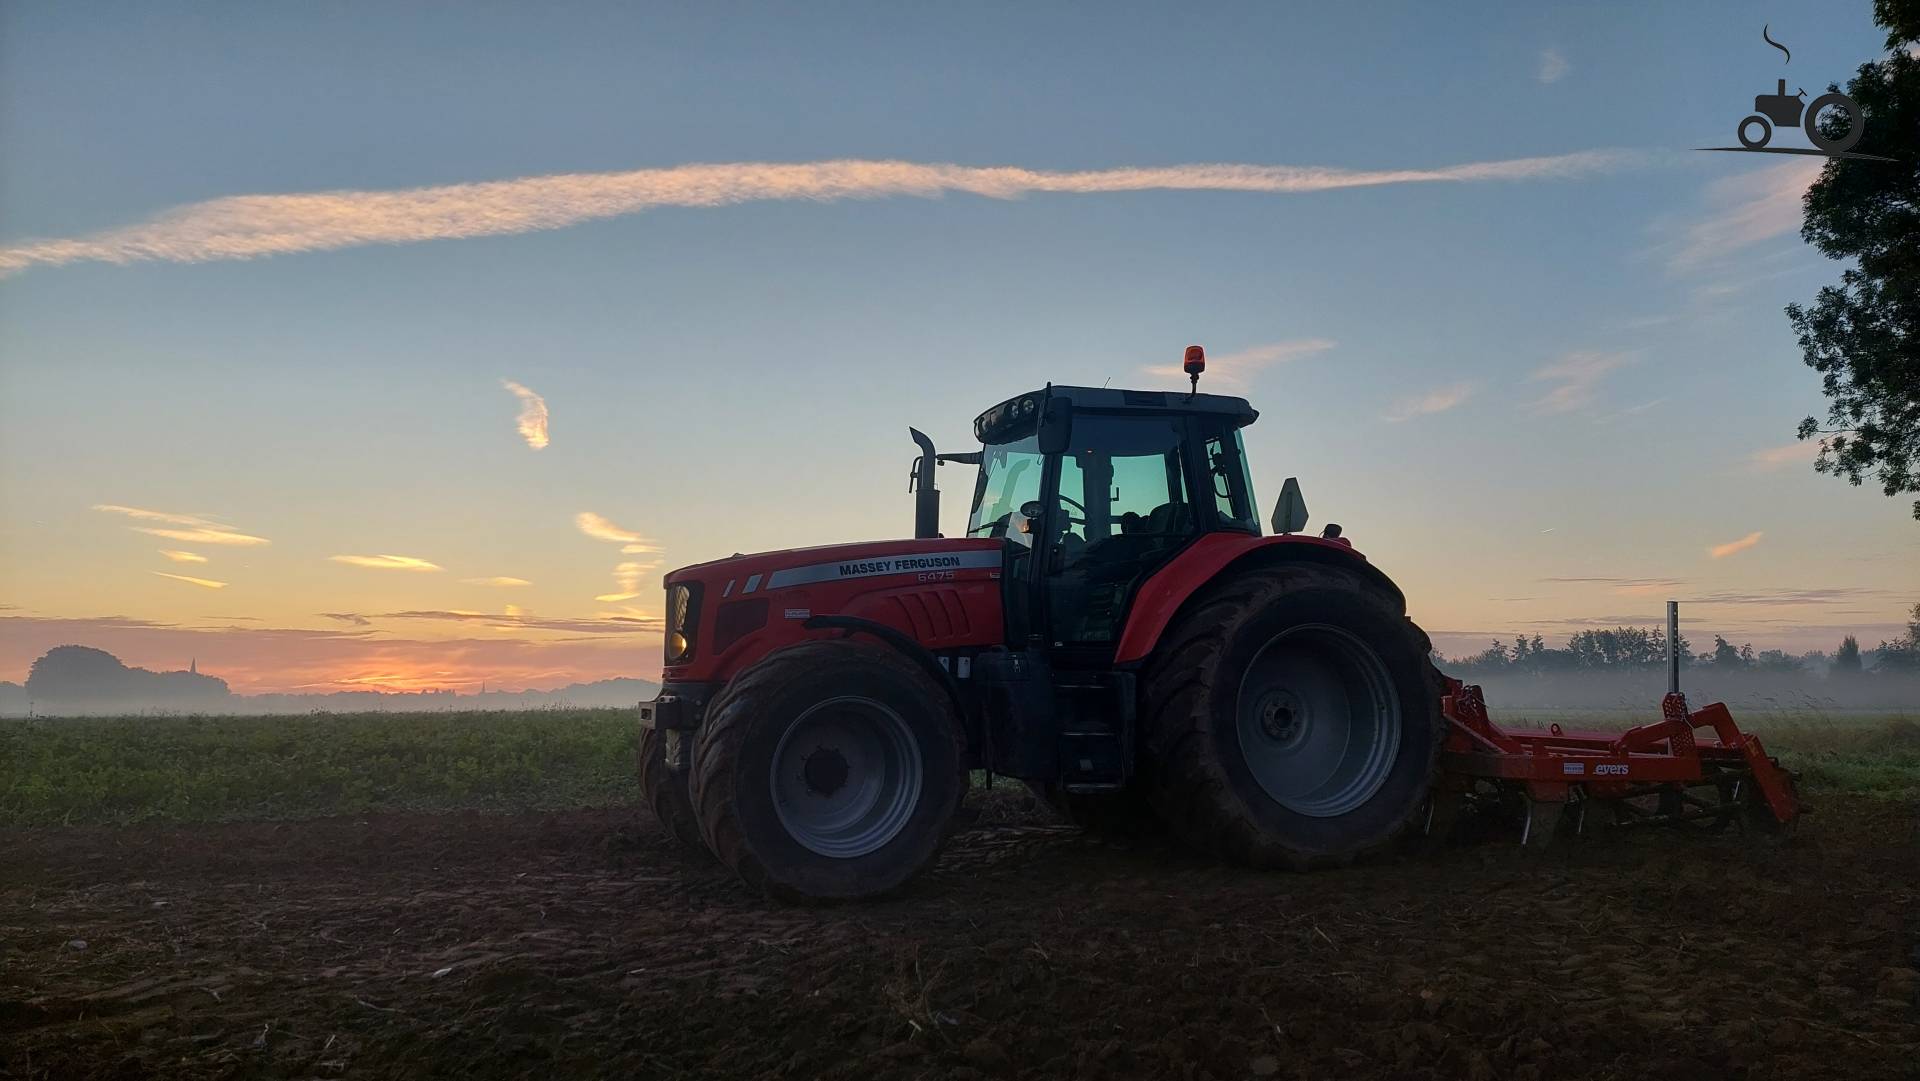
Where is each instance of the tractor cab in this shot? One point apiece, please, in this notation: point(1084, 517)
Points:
point(1096, 489)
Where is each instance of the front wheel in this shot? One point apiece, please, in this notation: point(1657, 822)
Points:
point(1294, 719)
point(828, 770)
point(1757, 141)
point(665, 790)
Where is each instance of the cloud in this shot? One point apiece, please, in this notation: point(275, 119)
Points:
point(252, 226)
point(1575, 377)
point(203, 583)
point(182, 557)
point(195, 529)
point(208, 535)
point(387, 563)
point(1833, 595)
point(350, 618)
point(626, 577)
point(533, 414)
point(1628, 587)
point(501, 580)
point(1721, 551)
point(613, 624)
point(601, 529)
point(1434, 401)
point(1748, 208)
point(151, 515)
point(1805, 450)
point(1234, 369)
point(1553, 66)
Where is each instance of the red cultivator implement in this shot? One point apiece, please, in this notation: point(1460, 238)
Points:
point(1659, 773)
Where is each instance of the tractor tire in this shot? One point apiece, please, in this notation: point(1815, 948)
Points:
point(829, 770)
point(1856, 123)
point(1293, 719)
point(666, 791)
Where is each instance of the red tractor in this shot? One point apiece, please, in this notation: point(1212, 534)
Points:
point(1112, 629)
point(1115, 630)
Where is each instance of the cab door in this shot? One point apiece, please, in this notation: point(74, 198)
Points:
point(1123, 506)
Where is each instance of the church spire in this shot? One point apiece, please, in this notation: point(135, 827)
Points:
point(193, 666)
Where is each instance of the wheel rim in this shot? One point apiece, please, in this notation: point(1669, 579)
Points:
point(1318, 720)
point(846, 777)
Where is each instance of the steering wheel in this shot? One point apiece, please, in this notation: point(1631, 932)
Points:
point(1034, 505)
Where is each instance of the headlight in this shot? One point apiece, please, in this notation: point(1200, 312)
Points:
point(682, 619)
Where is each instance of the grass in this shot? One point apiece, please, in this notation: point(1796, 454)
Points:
point(203, 768)
point(120, 770)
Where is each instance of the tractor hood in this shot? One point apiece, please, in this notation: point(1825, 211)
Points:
point(790, 567)
point(943, 593)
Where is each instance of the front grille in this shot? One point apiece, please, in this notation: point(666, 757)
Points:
point(737, 619)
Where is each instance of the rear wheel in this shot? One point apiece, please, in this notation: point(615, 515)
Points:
point(828, 770)
point(1840, 144)
point(1295, 720)
point(665, 790)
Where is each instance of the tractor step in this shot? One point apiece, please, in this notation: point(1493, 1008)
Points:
point(1092, 761)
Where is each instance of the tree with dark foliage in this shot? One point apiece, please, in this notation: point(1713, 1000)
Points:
point(1903, 653)
point(1863, 335)
point(1846, 662)
point(83, 676)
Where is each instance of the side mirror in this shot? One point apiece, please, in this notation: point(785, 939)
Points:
point(1290, 514)
point(1056, 426)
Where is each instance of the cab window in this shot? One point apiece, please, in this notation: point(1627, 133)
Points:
point(1232, 482)
point(1009, 478)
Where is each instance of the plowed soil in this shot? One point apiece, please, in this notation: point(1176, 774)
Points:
point(586, 944)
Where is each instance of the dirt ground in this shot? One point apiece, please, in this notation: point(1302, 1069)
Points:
point(584, 943)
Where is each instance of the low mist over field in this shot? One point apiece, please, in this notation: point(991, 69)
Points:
point(1626, 668)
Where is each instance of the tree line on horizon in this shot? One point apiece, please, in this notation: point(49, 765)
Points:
point(1635, 648)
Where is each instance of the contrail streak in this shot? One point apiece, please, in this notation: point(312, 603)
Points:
point(252, 226)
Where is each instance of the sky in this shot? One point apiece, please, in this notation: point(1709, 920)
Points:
point(406, 346)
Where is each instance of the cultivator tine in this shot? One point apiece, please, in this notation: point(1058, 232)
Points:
point(1547, 822)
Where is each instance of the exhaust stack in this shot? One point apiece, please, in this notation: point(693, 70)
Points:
point(926, 497)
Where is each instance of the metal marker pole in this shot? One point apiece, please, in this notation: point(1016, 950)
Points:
point(1673, 647)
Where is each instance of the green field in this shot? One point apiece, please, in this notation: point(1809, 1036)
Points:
point(134, 769)
point(114, 770)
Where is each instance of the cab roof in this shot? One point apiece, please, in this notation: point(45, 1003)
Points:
point(1157, 401)
point(1019, 416)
